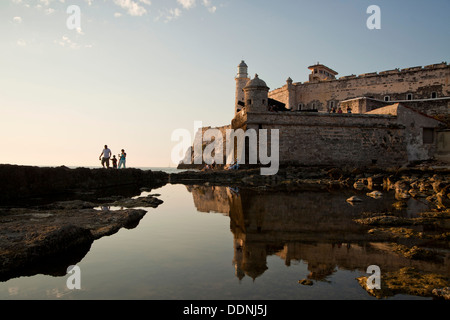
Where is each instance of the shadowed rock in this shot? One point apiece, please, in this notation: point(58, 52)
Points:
point(48, 241)
point(20, 183)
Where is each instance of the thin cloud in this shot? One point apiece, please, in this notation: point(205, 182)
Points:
point(49, 11)
point(168, 15)
point(66, 42)
point(209, 6)
point(133, 8)
point(136, 8)
point(17, 20)
point(187, 4)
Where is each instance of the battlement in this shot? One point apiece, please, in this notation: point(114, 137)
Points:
point(396, 71)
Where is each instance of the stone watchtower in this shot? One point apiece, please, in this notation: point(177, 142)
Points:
point(241, 80)
point(256, 94)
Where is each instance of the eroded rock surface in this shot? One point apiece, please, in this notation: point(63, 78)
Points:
point(30, 240)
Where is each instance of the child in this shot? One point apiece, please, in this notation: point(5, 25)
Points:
point(114, 162)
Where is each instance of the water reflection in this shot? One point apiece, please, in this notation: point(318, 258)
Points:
point(314, 227)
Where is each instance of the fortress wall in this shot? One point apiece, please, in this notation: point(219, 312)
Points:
point(414, 124)
point(436, 108)
point(191, 159)
point(335, 140)
point(280, 94)
point(421, 82)
point(363, 105)
point(443, 146)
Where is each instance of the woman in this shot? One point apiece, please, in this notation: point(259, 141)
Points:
point(122, 159)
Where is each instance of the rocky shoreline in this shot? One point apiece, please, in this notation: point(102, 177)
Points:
point(23, 184)
point(47, 239)
point(49, 217)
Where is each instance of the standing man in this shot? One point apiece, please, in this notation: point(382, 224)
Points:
point(106, 153)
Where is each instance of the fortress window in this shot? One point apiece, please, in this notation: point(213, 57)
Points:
point(428, 135)
point(387, 98)
point(433, 95)
point(264, 101)
point(300, 106)
point(331, 104)
point(409, 96)
point(249, 101)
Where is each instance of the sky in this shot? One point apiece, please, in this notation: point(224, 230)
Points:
point(131, 72)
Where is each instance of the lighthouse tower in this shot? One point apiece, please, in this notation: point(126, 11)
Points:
point(241, 81)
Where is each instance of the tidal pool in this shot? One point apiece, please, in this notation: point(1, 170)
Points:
point(225, 243)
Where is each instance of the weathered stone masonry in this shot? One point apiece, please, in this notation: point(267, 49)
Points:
point(418, 83)
point(332, 140)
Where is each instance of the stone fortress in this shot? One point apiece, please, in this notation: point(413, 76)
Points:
point(388, 118)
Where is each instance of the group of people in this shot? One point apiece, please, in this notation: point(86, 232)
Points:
point(232, 166)
point(105, 157)
point(339, 110)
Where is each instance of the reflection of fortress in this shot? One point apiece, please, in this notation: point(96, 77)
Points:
point(313, 227)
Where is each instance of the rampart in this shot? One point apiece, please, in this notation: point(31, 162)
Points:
point(417, 83)
point(316, 139)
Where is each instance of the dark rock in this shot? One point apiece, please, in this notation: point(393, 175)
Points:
point(375, 181)
point(407, 281)
point(442, 293)
point(306, 282)
point(24, 182)
point(354, 199)
point(30, 238)
point(402, 186)
point(69, 205)
point(143, 202)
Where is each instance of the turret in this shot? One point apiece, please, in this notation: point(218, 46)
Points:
point(291, 94)
point(256, 95)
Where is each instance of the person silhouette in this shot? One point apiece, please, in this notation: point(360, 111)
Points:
point(122, 159)
point(106, 153)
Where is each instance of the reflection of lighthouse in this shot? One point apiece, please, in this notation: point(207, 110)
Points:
point(237, 259)
point(250, 259)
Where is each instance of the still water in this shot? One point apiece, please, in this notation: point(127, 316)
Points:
point(220, 243)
